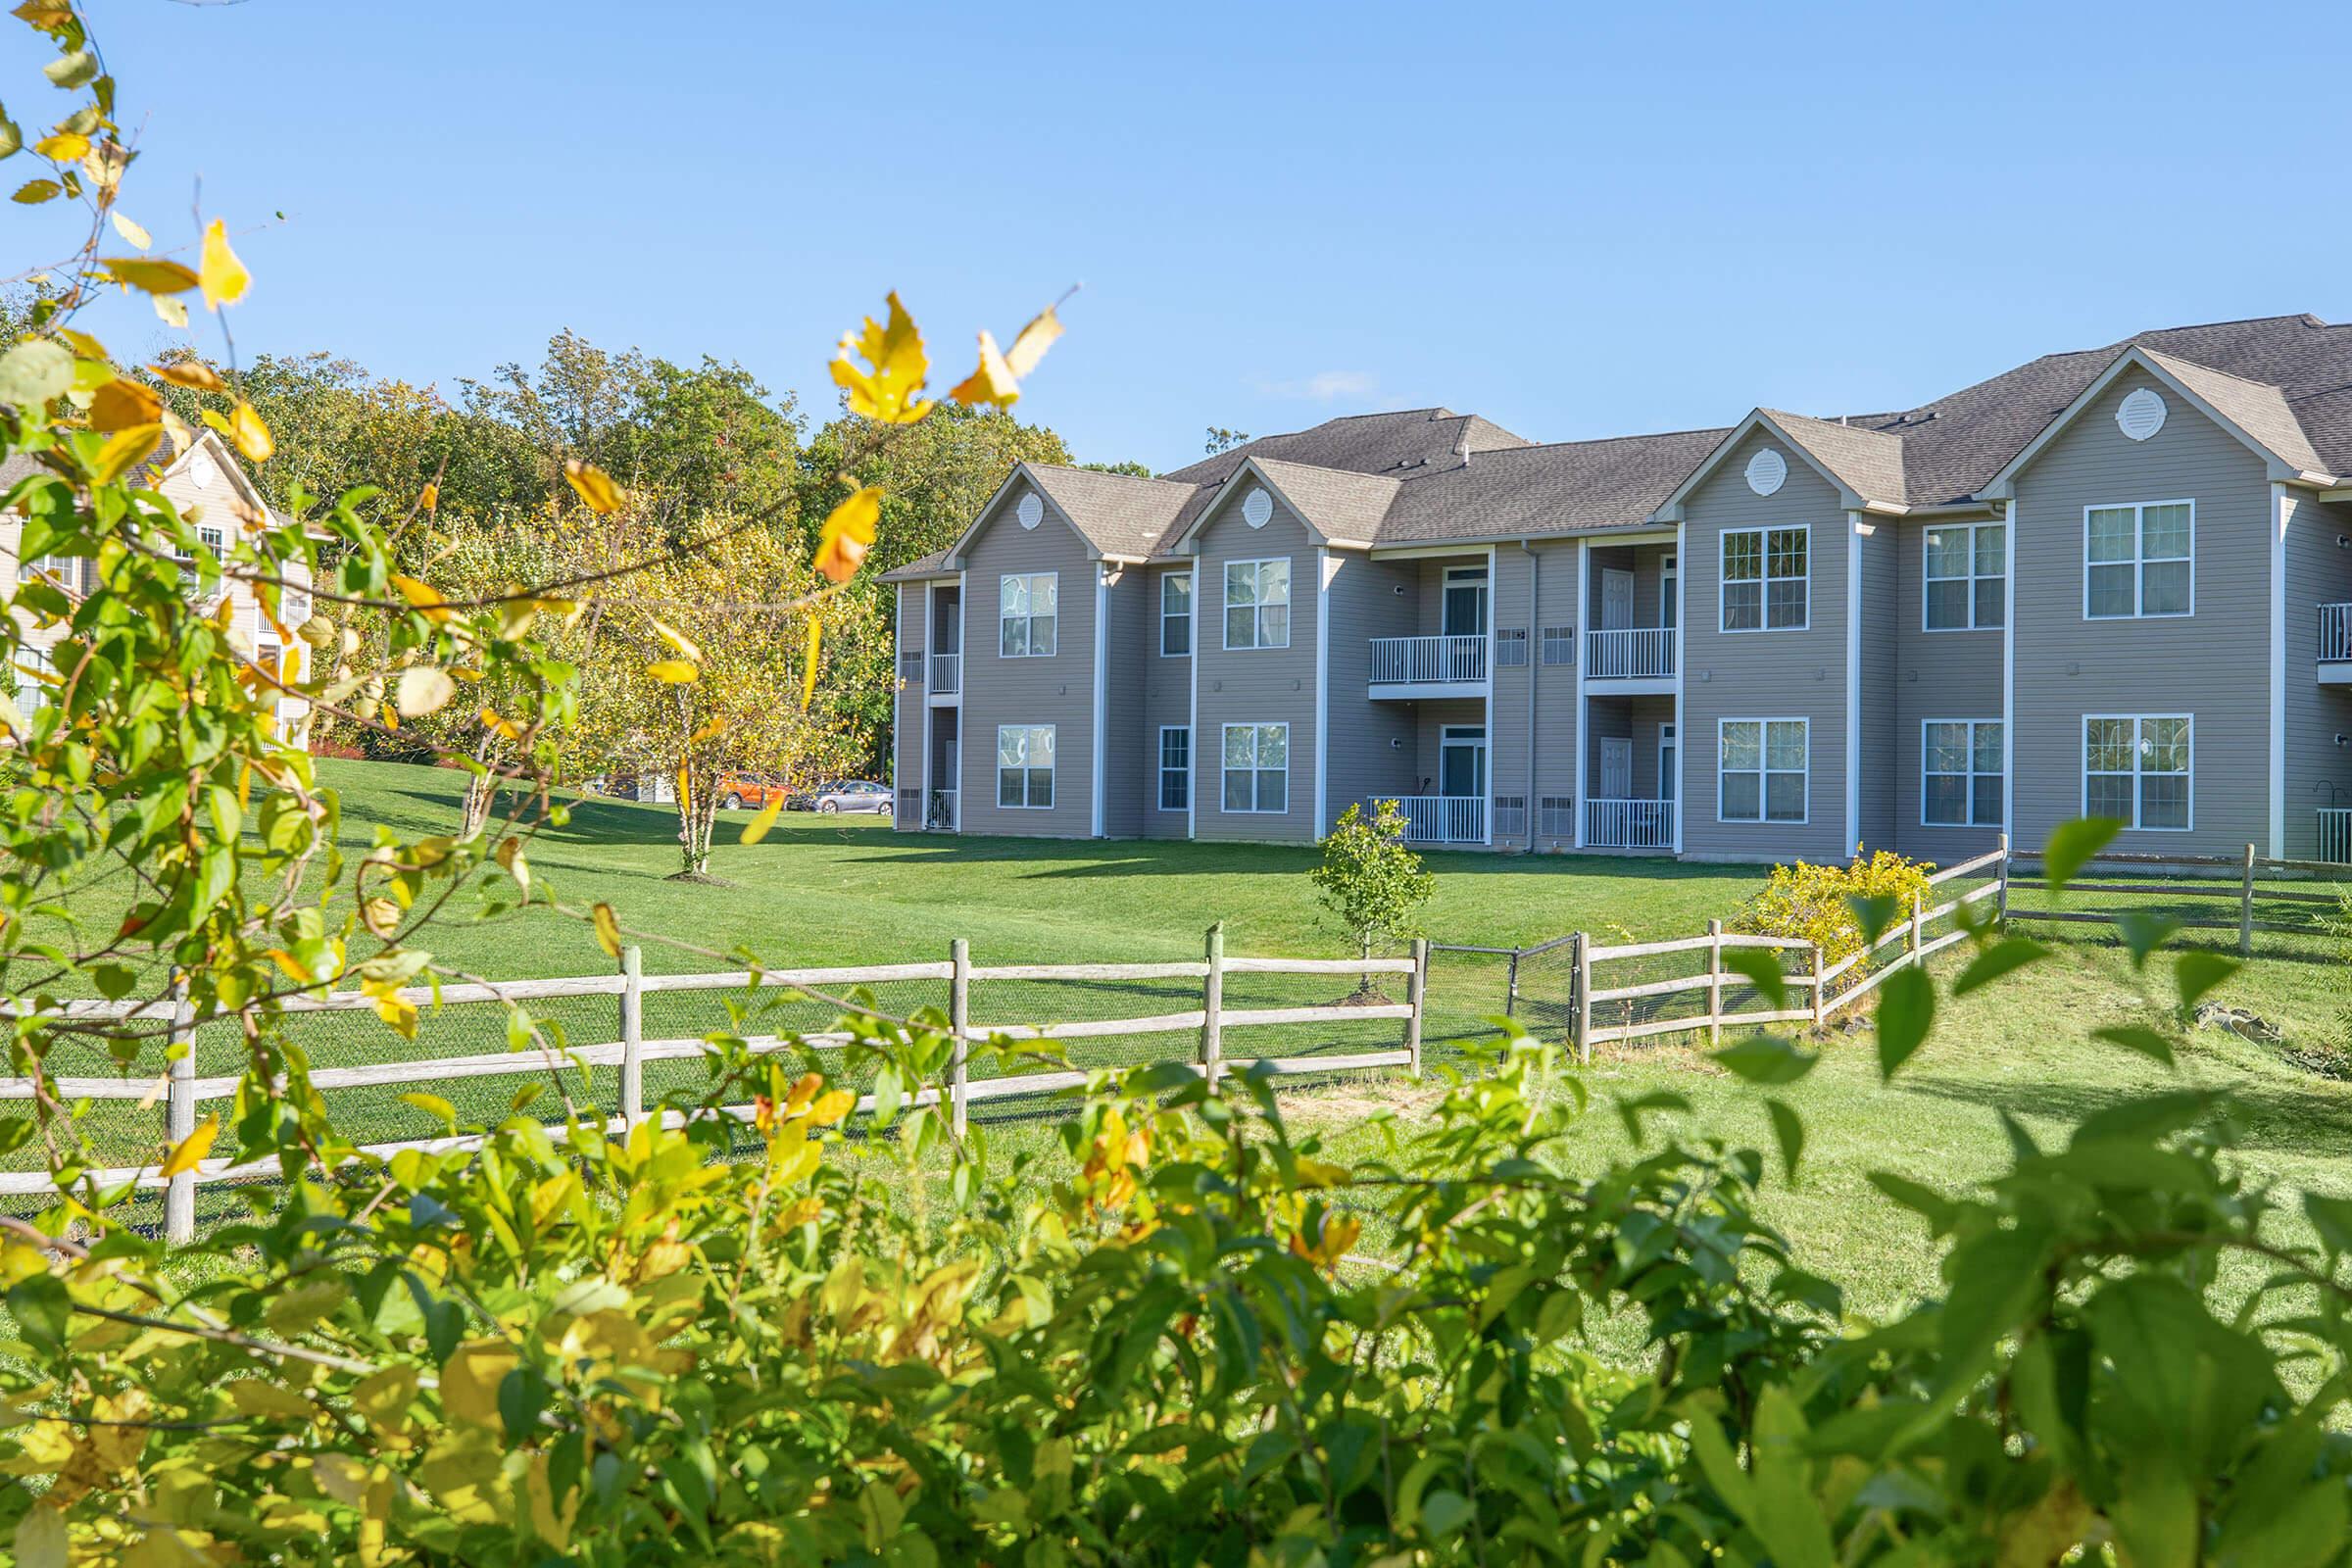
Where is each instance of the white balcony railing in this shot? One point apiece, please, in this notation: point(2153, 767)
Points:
point(1440, 818)
point(1628, 824)
point(1428, 662)
point(947, 674)
point(2335, 634)
point(942, 816)
point(2335, 834)
point(1636, 653)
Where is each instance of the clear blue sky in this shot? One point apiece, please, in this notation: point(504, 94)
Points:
point(1577, 221)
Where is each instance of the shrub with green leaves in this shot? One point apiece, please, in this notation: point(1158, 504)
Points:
point(1369, 878)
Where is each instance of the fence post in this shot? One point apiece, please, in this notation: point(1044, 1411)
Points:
point(2000, 870)
point(1212, 1009)
point(2245, 906)
point(179, 1115)
point(1416, 987)
point(632, 1037)
point(1583, 983)
point(1714, 984)
point(1510, 993)
point(1821, 989)
point(960, 1022)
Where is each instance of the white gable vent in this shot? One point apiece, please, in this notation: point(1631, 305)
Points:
point(1767, 471)
point(1257, 509)
point(2141, 415)
point(1031, 512)
point(201, 469)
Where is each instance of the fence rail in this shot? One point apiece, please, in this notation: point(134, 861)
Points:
point(947, 674)
point(183, 1091)
point(1636, 653)
point(2334, 836)
point(1428, 661)
point(2336, 633)
point(1628, 824)
point(1438, 818)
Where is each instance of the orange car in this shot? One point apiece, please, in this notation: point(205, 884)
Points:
point(737, 791)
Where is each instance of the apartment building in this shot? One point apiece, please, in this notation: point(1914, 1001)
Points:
point(2115, 582)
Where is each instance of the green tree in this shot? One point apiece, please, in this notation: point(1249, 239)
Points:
point(1369, 878)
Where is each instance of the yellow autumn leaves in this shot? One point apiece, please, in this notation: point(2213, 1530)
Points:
point(133, 411)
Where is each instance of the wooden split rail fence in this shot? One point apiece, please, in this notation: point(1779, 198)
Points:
point(184, 1090)
point(2243, 892)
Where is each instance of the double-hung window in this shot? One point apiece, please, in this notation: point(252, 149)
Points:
point(1258, 767)
point(1960, 773)
point(1025, 766)
point(1175, 767)
point(1761, 769)
point(1257, 604)
point(2139, 559)
point(2135, 770)
point(1967, 576)
point(1025, 615)
point(1765, 579)
point(1176, 615)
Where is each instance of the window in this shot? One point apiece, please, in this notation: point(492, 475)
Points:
point(1176, 615)
point(1761, 772)
point(1560, 645)
point(1257, 604)
point(35, 677)
point(213, 540)
point(1025, 766)
point(1025, 610)
point(66, 572)
point(1967, 567)
point(2135, 770)
point(1765, 579)
point(1670, 597)
point(1960, 773)
point(270, 658)
point(2139, 559)
point(1258, 767)
point(1175, 767)
point(1510, 646)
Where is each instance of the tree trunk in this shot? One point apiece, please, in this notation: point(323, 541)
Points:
point(698, 818)
point(481, 788)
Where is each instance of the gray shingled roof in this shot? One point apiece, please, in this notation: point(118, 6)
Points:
point(1430, 474)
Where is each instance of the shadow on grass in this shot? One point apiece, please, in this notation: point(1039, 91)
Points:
point(2280, 1118)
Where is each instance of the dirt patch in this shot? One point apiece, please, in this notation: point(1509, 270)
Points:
point(1347, 1103)
point(699, 879)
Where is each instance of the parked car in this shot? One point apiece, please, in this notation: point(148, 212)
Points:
point(842, 795)
point(739, 790)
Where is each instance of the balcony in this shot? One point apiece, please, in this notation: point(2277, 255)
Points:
point(1628, 824)
point(2335, 645)
point(1635, 654)
point(942, 818)
point(1406, 668)
point(946, 676)
point(2335, 835)
point(1438, 818)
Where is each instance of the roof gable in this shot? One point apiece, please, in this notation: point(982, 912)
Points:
point(1778, 426)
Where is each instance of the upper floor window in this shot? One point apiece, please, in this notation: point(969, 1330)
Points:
point(2135, 770)
point(1765, 581)
point(1257, 604)
point(2139, 559)
point(1025, 610)
point(1960, 773)
point(1763, 767)
point(1967, 576)
point(1176, 613)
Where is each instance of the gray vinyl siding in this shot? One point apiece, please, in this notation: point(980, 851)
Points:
point(1764, 674)
point(1937, 675)
point(1556, 692)
point(1373, 745)
point(1055, 690)
point(1511, 608)
point(907, 733)
point(1878, 827)
point(1166, 683)
point(1134, 641)
point(2212, 666)
point(1256, 685)
point(2318, 572)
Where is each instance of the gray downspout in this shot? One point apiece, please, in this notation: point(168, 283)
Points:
point(1535, 614)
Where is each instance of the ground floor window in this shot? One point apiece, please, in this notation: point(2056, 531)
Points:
point(1175, 767)
point(1960, 773)
point(2135, 769)
point(1025, 766)
point(1258, 767)
point(1762, 769)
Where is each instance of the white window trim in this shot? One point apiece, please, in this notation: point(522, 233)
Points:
point(2139, 563)
point(1224, 607)
point(2083, 765)
point(1190, 616)
point(1003, 579)
point(1161, 768)
point(1053, 773)
point(1764, 773)
point(1975, 576)
point(1224, 739)
point(1763, 533)
point(1972, 775)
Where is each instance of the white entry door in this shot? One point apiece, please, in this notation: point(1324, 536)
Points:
point(1616, 769)
point(1616, 599)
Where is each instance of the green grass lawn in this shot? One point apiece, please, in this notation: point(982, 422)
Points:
point(830, 889)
